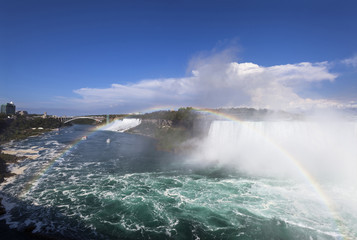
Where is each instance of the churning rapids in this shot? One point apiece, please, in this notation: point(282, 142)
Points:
point(247, 180)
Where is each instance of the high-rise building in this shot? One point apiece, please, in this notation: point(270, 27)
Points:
point(8, 108)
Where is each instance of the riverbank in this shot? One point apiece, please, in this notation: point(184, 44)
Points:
point(22, 127)
point(26, 133)
point(10, 168)
point(171, 129)
point(169, 138)
point(19, 128)
point(5, 178)
point(5, 160)
point(8, 233)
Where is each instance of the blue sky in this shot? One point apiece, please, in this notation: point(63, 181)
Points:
point(96, 57)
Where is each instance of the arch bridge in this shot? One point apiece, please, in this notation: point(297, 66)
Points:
point(96, 118)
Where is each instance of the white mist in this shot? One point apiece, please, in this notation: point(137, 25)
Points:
point(326, 150)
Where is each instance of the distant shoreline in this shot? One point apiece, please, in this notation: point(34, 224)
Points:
point(29, 133)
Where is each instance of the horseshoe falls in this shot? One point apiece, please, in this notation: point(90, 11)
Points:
point(244, 180)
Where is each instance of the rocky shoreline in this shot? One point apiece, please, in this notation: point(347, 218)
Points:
point(168, 137)
point(5, 174)
point(8, 157)
point(26, 234)
point(5, 160)
point(9, 169)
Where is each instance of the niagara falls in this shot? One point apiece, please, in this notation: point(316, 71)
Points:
point(182, 120)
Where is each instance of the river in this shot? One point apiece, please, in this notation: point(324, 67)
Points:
point(123, 188)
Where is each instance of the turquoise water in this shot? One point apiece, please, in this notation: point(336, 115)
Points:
point(126, 189)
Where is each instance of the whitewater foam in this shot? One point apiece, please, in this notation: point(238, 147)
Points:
point(122, 125)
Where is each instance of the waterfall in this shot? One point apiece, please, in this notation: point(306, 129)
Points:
point(122, 125)
point(277, 148)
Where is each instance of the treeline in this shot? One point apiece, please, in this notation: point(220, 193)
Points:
point(169, 128)
point(21, 127)
point(253, 114)
point(183, 117)
point(245, 113)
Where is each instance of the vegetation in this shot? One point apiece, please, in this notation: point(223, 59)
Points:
point(21, 127)
point(171, 139)
point(169, 128)
point(112, 117)
point(183, 117)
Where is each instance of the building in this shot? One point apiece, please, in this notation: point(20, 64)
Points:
point(8, 108)
point(22, 113)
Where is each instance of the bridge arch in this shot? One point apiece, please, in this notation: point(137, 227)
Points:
point(93, 118)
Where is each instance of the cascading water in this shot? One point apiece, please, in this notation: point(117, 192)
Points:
point(122, 125)
point(324, 149)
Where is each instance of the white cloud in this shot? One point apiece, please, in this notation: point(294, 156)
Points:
point(351, 61)
point(216, 82)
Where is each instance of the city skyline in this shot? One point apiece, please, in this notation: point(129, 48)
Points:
point(90, 57)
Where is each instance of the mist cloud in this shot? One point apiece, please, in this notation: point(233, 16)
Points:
point(216, 81)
